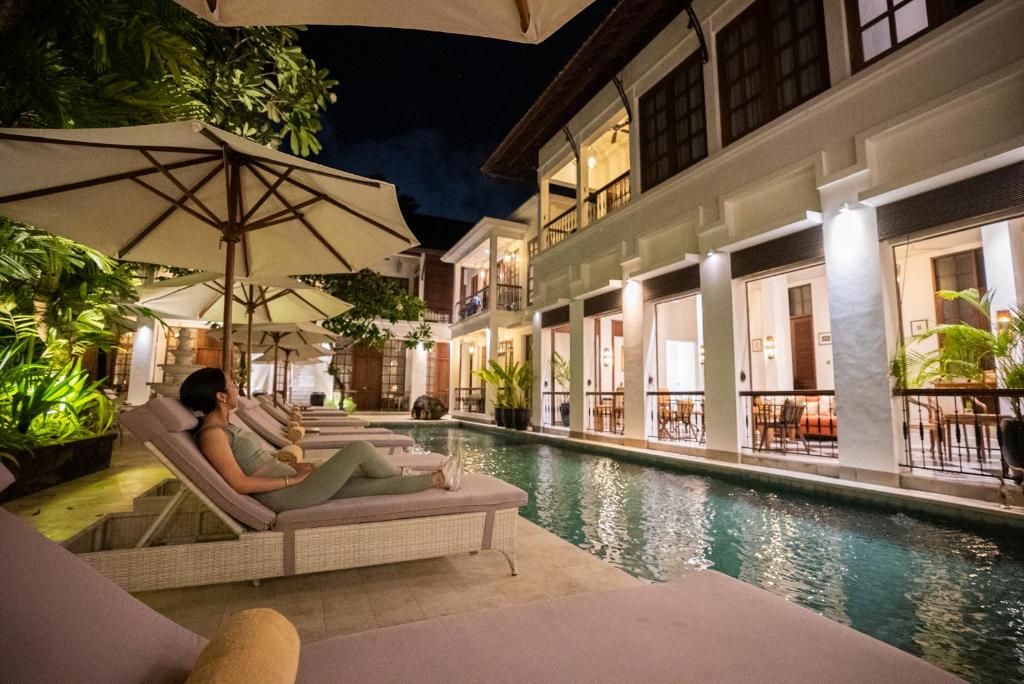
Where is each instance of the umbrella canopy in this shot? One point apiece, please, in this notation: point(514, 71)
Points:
point(290, 354)
point(176, 193)
point(287, 336)
point(270, 299)
point(521, 21)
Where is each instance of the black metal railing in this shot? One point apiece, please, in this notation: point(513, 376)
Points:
point(956, 430)
point(606, 412)
point(791, 422)
point(676, 417)
point(474, 304)
point(608, 198)
point(394, 401)
point(469, 399)
point(435, 316)
point(510, 297)
point(552, 411)
point(560, 227)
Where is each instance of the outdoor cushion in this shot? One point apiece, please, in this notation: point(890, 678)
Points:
point(270, 430)
point(62, 621)
point(279, 414)
point(256, 645)
point(154, 422)
point(477, 493)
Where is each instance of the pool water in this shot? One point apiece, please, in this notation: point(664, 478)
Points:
point(952, 596)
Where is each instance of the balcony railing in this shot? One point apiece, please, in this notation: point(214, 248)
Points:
point(791, 422)
point(435, 316)
point(676, 417)
point(606, 412)
point(473, 304)
point(510, 297)
point(608, 198)
point(469, 399)
point(560, 227)
point(956, 430)
point(552, 412)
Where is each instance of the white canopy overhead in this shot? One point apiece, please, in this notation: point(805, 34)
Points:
point(287, 336)
point(189, 194)
point(521, 21)
point(270, 299)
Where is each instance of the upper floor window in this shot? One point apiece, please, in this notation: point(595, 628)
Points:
point(532, 248)
point(771, 58)
point(878, 27)
point(673, 131)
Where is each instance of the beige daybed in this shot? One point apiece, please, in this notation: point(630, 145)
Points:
point(260, 422)
point(341, 533)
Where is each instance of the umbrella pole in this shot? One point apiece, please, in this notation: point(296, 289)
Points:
point(287, 357)
point(231, 236)
point(248, 349)
point(227, 358)
point(274, 389)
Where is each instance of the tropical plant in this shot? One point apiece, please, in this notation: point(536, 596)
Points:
point(512, 383)
point(42, 402)
point(97, 63)
point(966, 352)
point(374, 299)
point(561, 372)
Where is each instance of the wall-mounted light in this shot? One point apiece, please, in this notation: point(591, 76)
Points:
point(606, 357)
point(845, 208)
point(700, 355)
point(712, 252)
point(769, 347)
point(471, 349)
point(1002, 320)
point(591, 160)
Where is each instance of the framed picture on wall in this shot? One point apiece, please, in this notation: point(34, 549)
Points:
point(825, 338)
point(919, 327)
point(755, 345)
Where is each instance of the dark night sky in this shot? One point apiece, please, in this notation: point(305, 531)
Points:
point(425, 110)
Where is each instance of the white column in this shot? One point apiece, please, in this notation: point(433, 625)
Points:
point(539, 365)
point(868, 435)
point(490, 391)
point(582, 185)
point(143, 361)
point(633, 362)
point(417, 372)
point(720, 391)
point(543, 210)
point(577, 384)
point(492, 278)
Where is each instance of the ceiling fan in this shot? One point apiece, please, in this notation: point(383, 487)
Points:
point(621, 126)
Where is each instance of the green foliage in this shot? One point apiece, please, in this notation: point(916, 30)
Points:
point(966, 353)
point(512, 382)
point(42, 402)
point(561, 373)
point(99, 63)
point(374, 298)
point(349, 405)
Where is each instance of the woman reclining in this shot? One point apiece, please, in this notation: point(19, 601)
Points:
point(250, 469)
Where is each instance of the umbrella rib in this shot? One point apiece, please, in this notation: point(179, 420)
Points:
point(523, 7)
point(303, 220)
point(124, 175)
point(318, 172)
point(310, 304)
point(266, 306)
point(163, 216)
point(266, 195)
point(112, 146)
point(180, 186)
point(276, 217)
point(339, 205)
point(280, 294)
point(177, 203)
point(245, 254)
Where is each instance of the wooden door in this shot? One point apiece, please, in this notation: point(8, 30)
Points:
point(801, 334)
point(442, 371)
point(367, 365)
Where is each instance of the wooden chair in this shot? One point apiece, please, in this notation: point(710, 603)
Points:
point(933, 424)
point(787, 420)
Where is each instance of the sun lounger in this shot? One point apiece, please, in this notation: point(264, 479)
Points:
point(251, 542)
point(250, 411)
point(284, 417)
point(62, 621)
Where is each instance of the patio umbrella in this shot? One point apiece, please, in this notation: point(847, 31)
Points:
point(261, 302)
point(300, 352)
point(175, 193)
point(521, 21)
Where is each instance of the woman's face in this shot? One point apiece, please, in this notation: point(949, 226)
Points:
point(230, 397)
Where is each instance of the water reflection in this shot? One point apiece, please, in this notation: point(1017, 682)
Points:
point(952, 596)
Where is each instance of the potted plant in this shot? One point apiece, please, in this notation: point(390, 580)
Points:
point(502, 380)
point(54, 422)
point(521, 377)
point(561, 374)
point(970, 354)
point(348, 406)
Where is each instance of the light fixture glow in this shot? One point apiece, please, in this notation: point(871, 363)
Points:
point(712, 252)
point(769, 347)
point(606, 357)
point(700, 355)
point(1002, 320)
point(591, 160)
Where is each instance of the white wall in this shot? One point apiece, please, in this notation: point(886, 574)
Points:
point(680, 320)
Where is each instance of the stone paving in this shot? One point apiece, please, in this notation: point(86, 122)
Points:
point(332, 603)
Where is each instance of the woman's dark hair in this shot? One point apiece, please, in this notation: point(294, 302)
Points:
point(199, 391)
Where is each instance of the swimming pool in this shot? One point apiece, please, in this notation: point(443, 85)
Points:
point(950, 595)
